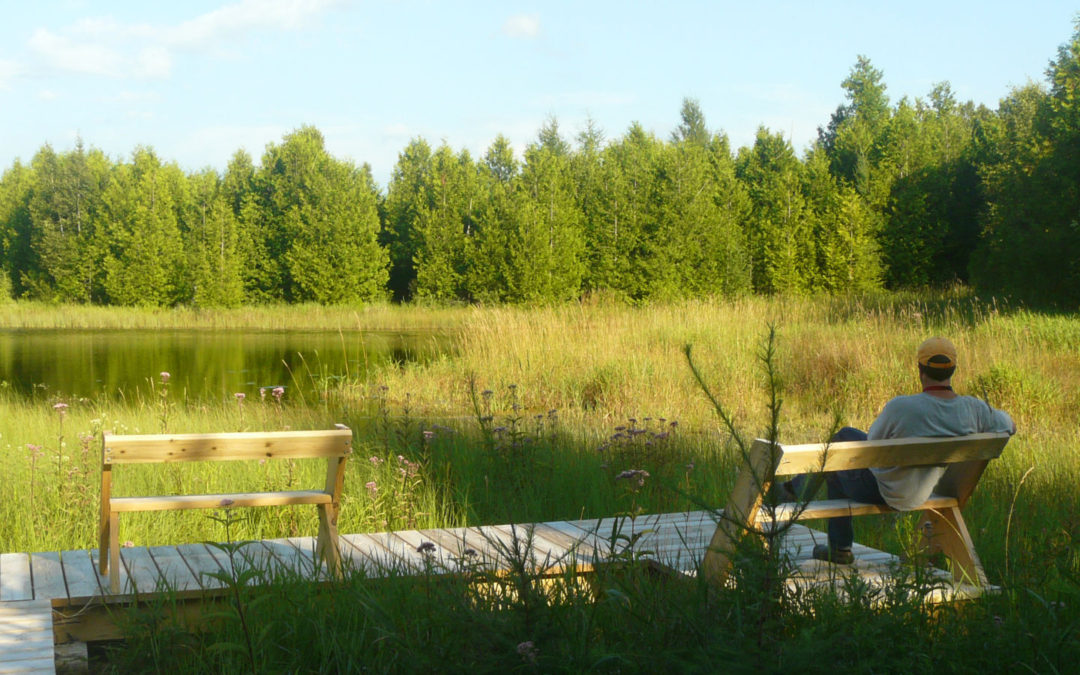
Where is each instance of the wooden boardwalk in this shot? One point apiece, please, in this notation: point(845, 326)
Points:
point(67, 585)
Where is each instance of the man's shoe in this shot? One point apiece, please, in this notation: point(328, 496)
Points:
point(840, 556)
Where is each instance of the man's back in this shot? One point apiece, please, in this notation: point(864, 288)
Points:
point(932, 416)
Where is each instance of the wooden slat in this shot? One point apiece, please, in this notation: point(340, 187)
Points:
point(200, 561)
point(295, 558)
point(173, 570)
point(364, 552)
point(226, 446)
point(26, 637)
point(217, 501)
point(829, 508)
point(807, 458)
point(142, 573)
point(15, 577)
point(48, 575)
point(83, 582)
point(547, 553)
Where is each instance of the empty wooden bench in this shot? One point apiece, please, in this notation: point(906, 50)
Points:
point(333, 445)
point(966, 457)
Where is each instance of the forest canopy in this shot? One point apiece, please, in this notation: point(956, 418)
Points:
point(920, 193)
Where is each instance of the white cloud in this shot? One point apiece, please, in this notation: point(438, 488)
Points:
point(246, 15)
point(64, 53)
point(522, 26)
point(105, 47)
point(48, 95)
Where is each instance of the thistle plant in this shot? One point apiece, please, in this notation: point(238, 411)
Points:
point(240, 396)
point(164, 401)
point(61, 412)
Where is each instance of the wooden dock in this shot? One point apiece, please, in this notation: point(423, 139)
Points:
point(58, 597)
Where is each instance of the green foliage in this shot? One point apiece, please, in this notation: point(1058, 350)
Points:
point(926, 192)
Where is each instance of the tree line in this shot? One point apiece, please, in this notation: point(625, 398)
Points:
point(918, 193)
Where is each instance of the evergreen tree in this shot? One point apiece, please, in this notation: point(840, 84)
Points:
point(16, 186)
point(144, 262)
point(444, 230)
point(213, 237)
point(325, 223)
point(408, 194)
point(488, 277)
point(778, 231)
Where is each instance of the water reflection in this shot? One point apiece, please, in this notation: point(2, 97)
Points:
point(202, 364)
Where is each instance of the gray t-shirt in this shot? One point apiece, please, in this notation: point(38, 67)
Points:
point(906, 487)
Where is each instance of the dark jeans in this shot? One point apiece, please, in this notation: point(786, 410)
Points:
point(855, 484)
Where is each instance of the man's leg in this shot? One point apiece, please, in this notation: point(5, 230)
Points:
point(805, 486)
point(855, 484)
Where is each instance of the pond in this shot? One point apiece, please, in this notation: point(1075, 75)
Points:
point(203, 364)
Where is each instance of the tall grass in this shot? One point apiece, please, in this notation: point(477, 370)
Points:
point(597, 366)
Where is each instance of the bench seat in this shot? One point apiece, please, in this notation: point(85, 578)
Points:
point(217, 501)
point(828, 508)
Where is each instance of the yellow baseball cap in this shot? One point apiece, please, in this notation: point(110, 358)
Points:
point(937, 352)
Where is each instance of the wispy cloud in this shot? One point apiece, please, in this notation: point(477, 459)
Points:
point(522, 26)
point(108, 48)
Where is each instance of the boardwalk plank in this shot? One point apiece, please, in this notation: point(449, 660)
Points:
point(175, 572)
point(83, 581)
point(143, 575)
point(676, 539)
point(48, 575)
point(200, 562)
point(26, 637)
point(361, 552)
point(15, 577)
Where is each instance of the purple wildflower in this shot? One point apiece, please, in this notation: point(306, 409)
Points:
point(527, 650)
point(165, 377)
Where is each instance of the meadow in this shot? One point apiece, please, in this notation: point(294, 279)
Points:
point(534, 411)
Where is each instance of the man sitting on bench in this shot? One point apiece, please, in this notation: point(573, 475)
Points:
point(937, 412)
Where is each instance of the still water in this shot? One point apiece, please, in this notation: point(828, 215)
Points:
point(202, 364)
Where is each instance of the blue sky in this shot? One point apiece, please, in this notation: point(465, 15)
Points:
point(197, 80)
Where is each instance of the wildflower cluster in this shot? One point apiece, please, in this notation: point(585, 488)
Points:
point(647, 444)
point(517, 432)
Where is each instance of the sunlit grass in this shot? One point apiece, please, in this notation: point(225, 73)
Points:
point(597, 366)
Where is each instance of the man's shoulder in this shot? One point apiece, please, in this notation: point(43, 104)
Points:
point(902, 402)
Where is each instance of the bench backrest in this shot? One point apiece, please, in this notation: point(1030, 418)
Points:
point(245, 445)
point(965, 456)
point(807, 458)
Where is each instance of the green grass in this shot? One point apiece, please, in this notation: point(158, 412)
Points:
point(562, 379)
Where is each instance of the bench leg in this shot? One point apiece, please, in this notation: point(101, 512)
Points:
point(103, 544)
point(948, 534)
point(114, 552)
point(739, 515)
point(327, 548)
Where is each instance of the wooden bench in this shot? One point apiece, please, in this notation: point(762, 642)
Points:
point(334, 445)
point(966, 458)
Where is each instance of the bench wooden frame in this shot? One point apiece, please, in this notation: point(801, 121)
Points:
point(966, 458)
point(334, 445)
